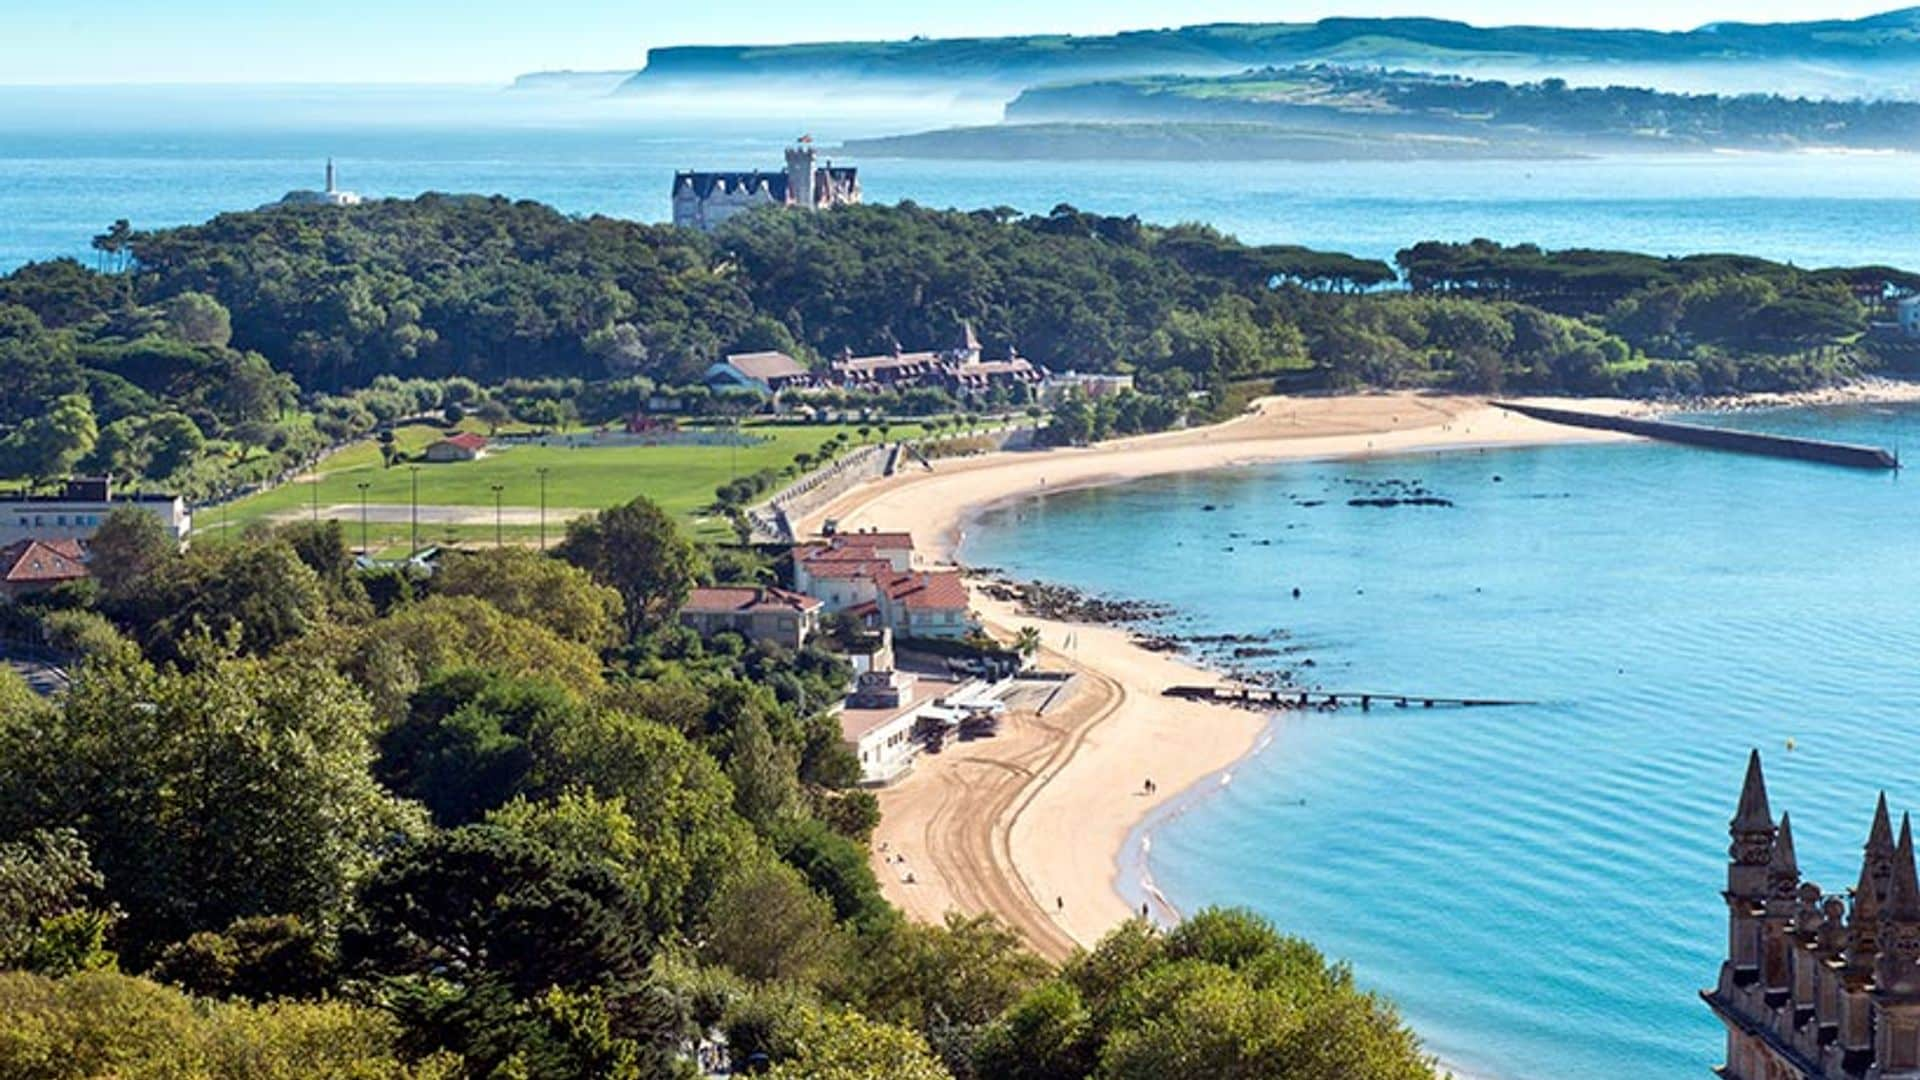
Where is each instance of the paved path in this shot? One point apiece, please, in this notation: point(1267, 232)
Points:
point(402, 514)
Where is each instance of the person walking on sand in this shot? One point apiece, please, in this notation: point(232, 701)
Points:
point(1060, 903)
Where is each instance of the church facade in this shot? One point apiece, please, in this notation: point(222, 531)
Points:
point(1816, 985)
point(702, 200)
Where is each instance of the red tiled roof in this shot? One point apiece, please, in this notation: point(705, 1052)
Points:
point(467, 440)
point(858, 366)
point(744, 599)
point(938, 589)
point(843, 546)
point(848, 569)
point(27, 562)
point(873, 539)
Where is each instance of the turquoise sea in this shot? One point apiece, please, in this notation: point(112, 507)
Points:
point(73, 159)
point(1537, 886)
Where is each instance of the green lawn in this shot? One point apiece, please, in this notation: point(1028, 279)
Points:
point(680, 478)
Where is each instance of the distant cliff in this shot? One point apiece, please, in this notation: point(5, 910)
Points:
point(572, 82)
point(1838, 57)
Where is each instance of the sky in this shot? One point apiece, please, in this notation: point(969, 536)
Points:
point(484, 41)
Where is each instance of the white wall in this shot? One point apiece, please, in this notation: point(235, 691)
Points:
point(63, 520)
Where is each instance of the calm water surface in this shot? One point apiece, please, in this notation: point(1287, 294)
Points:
point(74, 159)
point(1537, 886)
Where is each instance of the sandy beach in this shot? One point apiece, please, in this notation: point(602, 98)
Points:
point(1031, 825)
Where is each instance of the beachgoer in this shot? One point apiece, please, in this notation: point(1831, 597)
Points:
point(1060, 903)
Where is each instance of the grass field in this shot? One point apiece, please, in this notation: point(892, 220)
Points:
point(680, 478)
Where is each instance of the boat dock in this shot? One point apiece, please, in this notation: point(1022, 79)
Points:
point(1270, 698)
point(1848, 455)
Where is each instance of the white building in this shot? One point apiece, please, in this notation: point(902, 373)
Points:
point(887, 734)
point(76, 513)
point(1910, 317)
point(1090, 385)
point(702, 200)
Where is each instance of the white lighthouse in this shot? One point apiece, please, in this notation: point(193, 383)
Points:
point(330, 196)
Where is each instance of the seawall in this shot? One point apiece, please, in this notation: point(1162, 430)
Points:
point(1848, 455)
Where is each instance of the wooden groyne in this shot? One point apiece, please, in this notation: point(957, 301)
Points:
point(1266, 697)
point(1849, 455)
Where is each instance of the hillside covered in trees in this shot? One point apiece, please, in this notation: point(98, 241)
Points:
point(294, 818)
point(1535, 116)
point(222, 353)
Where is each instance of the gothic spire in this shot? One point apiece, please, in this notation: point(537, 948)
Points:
point(1876, 871)
point(1783, 865)
point(1903, 899)
point(1880, 837)
point(1753, 815)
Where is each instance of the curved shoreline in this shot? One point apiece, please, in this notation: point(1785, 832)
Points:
point(1044, 812)
point(1076, 837)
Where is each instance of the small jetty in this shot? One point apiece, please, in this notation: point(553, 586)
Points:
point(1271, 698)
point(1848, 455)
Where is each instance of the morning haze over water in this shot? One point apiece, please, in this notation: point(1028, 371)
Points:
point(72, 159)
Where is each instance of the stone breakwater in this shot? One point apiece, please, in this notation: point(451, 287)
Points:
point(1268, 659)
point(1064, 603)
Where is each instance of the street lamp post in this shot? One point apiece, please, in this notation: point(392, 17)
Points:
point(414, 538)
point(497, 489)
point(363, 485)
point(543, 507)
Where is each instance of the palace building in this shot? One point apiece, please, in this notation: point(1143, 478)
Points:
point(702, 200)
point(1818, 986)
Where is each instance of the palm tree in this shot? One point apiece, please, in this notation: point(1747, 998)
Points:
point(1027, 641)
point(866, 432)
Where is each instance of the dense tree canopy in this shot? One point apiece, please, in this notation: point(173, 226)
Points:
point(227, 353)
point(525, 842)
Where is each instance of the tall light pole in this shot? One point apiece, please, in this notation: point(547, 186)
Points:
point(543, 507)
point(497, 489)
point(414, 539)
point(363, 485)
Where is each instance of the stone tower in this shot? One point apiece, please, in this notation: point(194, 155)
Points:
point(1896, 990)
point(1750, 858)
point(800, 175)
point(1815, 988)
